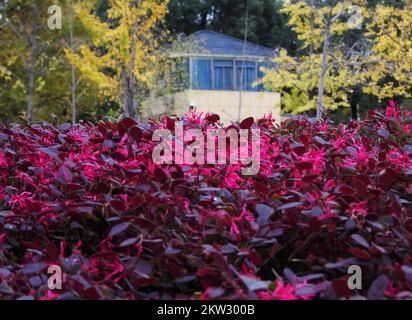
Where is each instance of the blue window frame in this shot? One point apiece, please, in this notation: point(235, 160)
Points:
point(201, 74)
point(249, 75)
point(223, 74)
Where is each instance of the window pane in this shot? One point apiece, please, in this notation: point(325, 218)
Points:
point(249, 75)
point(218, 78)
point(201, 74)
point(223, 74)
point(228, 78)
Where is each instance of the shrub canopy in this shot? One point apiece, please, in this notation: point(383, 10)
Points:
point(90, 199)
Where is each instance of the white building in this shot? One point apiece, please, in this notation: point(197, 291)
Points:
point(215, 79)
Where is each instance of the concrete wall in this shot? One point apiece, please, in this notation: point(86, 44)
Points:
point(226, 103)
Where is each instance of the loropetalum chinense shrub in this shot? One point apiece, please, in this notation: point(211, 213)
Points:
point(88, 198)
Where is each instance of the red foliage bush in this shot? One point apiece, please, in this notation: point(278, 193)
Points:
point(90, 199)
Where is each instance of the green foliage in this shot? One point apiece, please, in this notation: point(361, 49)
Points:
point(361, 67)
point(101, 44)
point(267, 25)
point(52, 93)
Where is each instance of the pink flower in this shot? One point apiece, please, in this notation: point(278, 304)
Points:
point(3, 160)
point(234, 230)
point(286, 292)
point(22, 200)
point(50, 295)
point(392, 110)
point(358, 208)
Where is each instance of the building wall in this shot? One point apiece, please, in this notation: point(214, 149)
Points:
point(226, 103)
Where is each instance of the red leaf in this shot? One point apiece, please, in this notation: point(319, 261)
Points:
point(361, 254)
point(315, 224)
point(387, 177)
point(160, 175)
point(247, 123)
point(213, 118)
point(174, 269)
point(52, 251)
point(341, 288)
point(207, 272)
point(255, 258)
point(170, 123)
point(298, 148)
point(135, 133)
point(128, 123)
point(304, 165)
point(117, 205)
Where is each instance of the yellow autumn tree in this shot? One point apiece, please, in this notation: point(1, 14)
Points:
point(388, 67)
point(123, 54)
point(24, 38)
point(323, 76)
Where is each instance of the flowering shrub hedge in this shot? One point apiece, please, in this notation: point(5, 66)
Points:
point(89, 199)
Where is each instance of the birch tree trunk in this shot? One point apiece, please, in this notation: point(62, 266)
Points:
point(132, 64)
point(132, 79)
point(320, 107)
point(73, 85)
point(32, 63)
point(325, 52)
point(74, 95)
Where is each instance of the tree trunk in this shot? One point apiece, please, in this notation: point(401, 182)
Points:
point(312, 26)
point(354, 102)
point(127, 94)
point(242, 73)
point(132, 79)
point(32, 79)
point(320, 107)
point(73, 86)
point(73, 90)
point(32, 63)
